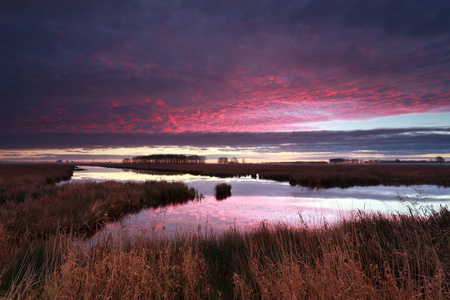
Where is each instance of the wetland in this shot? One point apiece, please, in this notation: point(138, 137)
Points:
point(393, 253)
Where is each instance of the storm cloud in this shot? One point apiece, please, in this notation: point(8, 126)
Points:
point(133, 71)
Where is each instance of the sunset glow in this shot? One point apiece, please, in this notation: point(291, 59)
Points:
point(265, 81)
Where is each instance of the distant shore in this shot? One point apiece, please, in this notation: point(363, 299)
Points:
point(312, 175)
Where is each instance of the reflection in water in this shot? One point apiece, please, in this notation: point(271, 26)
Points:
point(255, 200)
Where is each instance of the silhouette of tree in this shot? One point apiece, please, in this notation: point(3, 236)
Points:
point(234, 160)
point(169, 159)
point(337, 160)
point(344, 160)
point(222, 160)
point(440, 159)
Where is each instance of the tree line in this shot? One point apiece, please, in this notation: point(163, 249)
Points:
point(340, 160)
point(225, 160)
point(166, 159)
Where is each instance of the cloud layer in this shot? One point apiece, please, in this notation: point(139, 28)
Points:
point(365, 143)
point(171, 67)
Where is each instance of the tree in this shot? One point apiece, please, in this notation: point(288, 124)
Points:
point(234, 160)
point(169, 159)
point(222, 160)
point(397, 161)
point(337, 160)
point(440, 159)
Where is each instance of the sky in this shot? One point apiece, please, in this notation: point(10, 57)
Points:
point(280, 80)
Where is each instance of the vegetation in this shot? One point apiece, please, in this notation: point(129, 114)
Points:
point(223, 191)
point(222, 160)
point(37, 217)
point(344, 160)
point(440, 159)
point(314, 175)
point(167, 159)
point(84, 207)
point(369, 257)
point(366, 257)
point(225, 160)
point(17, 181)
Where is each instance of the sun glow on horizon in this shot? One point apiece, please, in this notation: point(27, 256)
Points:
point(211, 154)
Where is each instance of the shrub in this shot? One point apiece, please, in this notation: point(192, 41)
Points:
point(223, 190)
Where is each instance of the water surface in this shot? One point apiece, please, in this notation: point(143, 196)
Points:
point(256, 200)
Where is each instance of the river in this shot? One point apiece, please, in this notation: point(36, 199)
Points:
point(254, 201)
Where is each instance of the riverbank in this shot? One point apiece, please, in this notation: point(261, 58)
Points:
point(368, 257)
point(35, 212)
point(312, 175)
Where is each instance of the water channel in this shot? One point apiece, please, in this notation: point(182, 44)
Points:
point(254, 201)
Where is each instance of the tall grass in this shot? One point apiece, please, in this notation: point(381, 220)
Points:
point(36, 230)
point(18, 181)
point(223, 191)
point(367, 257)
point(370, 256)
point(35, 233)
point(83, 207)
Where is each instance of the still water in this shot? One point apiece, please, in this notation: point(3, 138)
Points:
point(254, 201)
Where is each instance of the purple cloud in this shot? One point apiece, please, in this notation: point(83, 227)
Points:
point(200, 66)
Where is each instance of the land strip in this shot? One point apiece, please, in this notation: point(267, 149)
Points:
point(313, 175)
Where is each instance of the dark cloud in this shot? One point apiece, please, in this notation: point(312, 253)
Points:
point(393, 16)
point(411, 141)
point(77, 66)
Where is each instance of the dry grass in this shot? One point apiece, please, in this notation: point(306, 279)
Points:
point(19, 180)
point(223, 191)
point(367, 257)
point(314, 175)
point(45, 215)
point(83, 207)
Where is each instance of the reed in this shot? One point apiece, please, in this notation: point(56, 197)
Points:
point(19, 180)
point(37, 227)
point(84, 207)
point(223, 191)
point(369, 256)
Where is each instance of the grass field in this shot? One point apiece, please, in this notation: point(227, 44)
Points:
point(366, 257)
point(314, 175)
point(17, 181)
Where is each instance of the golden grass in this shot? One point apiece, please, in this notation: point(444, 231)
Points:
point(37, 214)
point(368, 257)
point(18, 180)
point(83, 207)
